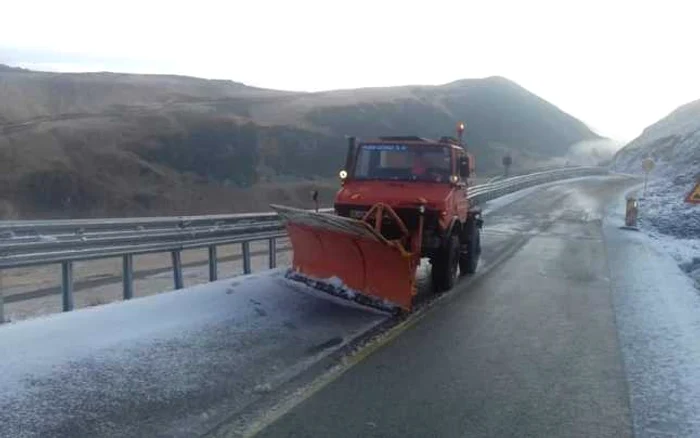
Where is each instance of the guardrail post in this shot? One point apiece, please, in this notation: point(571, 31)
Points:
point(67, 285)
point(177, 269)
point(2, 302)
point(246, 257)
point(272, 247)
point(128, 276)
point(213, 268)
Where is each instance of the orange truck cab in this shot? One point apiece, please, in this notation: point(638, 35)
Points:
point(425, 182)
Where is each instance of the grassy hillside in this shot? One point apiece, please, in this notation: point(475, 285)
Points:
point(98, 144)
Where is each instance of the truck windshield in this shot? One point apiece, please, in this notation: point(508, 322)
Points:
point(403, 162)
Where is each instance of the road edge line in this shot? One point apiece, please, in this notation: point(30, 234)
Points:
point(370, 346)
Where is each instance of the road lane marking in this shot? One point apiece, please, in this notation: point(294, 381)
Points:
point(374, 344)
point(240, 427)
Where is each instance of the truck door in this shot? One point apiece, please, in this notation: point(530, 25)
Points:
point(462, 172)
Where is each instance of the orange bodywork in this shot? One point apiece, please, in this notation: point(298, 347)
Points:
point(352, 254)
point(436, 197)
point(354, 262)
point(397, 194)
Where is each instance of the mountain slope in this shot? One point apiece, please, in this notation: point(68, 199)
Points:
point(673, 142)
point(674, 145)
point(122, 144)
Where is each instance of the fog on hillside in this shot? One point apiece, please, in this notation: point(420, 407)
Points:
point(588, 153)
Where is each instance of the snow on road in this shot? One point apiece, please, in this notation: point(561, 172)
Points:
point(183, 358)
point(169, 364)
point(686, 252)
point(658, 318)
point(175, 364)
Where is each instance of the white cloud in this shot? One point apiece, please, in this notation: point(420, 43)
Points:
point(617, 65)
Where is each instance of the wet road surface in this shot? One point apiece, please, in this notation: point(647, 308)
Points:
point(553, 336)
point(529, 349)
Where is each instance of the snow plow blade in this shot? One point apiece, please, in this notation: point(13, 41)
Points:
point(349, 258)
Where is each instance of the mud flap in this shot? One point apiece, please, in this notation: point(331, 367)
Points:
point(347, 256)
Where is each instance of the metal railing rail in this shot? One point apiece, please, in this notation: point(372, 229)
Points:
point(42, 242)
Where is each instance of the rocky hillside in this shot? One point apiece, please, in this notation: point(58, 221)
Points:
point(98, 144)
point(674, 145)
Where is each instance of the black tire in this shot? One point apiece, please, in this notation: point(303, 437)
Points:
point(470, 251)
point(445, 269)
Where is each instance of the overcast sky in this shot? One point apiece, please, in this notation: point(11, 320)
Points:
point(618, 66)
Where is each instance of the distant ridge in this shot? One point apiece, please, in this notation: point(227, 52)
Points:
point(86, 144)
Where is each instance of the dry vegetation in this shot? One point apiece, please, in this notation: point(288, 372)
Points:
point(104, 144)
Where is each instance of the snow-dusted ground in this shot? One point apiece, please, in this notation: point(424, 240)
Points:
point(685, 252)
point(672, 224)
point(199, 353)
point(19, 280)
point(108, 293)
point(674, 145)
point(658, 318)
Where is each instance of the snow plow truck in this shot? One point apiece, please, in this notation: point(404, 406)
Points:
point(401, 199)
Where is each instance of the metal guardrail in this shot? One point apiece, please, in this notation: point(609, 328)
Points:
point(42, 242)
point(495, 189)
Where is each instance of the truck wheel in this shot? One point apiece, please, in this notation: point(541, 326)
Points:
point(470, 251)
point(446, 266)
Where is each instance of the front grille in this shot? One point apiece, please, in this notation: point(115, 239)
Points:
point(409, 216)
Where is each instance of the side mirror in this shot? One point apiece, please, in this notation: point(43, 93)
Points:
point(314, 197)
point(464, 167)
point(350, 156)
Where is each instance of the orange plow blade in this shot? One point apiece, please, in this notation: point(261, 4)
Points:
point(348, 258)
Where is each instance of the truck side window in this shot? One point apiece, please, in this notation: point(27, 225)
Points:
point(463, 165)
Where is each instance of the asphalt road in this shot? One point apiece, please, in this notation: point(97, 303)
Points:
point(529, 349)
point(566, 330)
